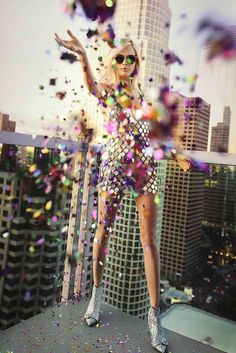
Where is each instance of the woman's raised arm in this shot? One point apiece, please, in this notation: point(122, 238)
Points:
point(75, 46)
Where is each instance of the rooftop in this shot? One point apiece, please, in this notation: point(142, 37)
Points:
point(200, 325)
point(62, 329)
point(176, 294)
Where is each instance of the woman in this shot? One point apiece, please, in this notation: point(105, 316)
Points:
point(125, 167)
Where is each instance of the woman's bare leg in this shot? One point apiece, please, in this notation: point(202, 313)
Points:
point(107, 209)
point(147, 210)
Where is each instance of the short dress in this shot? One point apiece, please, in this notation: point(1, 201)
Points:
point(127, 162)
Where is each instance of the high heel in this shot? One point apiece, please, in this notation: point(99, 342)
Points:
point(93, 310)
point(158, 337)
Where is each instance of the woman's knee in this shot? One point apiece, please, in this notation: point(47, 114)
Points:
point(102, 234)
point(148, 241)
point(107, 214)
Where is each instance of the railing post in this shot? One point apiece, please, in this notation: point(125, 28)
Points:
point(79, 287)
point(79, 167)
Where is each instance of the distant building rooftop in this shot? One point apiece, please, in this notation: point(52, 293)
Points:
point(201, 326)
point(173, 295)
point(62, 329)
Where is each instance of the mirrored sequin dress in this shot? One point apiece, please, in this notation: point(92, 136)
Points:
point(127, 164)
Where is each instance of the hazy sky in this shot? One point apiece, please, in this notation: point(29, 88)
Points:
point(30, 56)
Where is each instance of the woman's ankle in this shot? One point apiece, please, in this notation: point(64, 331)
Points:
point(97, 286)
point(155, 307)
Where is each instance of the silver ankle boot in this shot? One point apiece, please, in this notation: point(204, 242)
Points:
point(92, 313)
point(158, 337)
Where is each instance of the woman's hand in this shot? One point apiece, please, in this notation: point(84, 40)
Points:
point(73, 45)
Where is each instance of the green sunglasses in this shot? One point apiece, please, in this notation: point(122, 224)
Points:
point(129, 59)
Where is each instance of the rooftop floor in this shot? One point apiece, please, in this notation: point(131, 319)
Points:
point(62, 329)
point(198, 325)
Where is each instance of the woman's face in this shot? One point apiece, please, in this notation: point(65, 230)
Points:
point(124, 69)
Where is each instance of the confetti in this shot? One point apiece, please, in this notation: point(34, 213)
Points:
point(52, 81)
point(91, 33)
point(27, 296)
point(48, 205)
point(108, 36)
point(61, 95)
point(37, 213)
point(40, 241)
point(99, 10)
point(158, 154)
point(171, 58)
point(5, 235)
point(157, 199)
point(106, 250)
point(69, 57)
point(220, 41)
point(94, 213)
point(111, 127)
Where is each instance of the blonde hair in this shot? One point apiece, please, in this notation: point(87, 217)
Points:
point(107, 74)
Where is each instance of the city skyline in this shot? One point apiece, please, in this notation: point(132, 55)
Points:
point(36, 110)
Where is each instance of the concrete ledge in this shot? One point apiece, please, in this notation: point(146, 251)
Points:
point(62, 329)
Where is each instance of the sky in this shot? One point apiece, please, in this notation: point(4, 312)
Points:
point(183, 39)
point(30, 56)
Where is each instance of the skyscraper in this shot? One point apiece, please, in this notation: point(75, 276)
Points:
point(183, 199)
point(32, 252)
point(220, 133)
point(219, 197)
point(219, 213)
